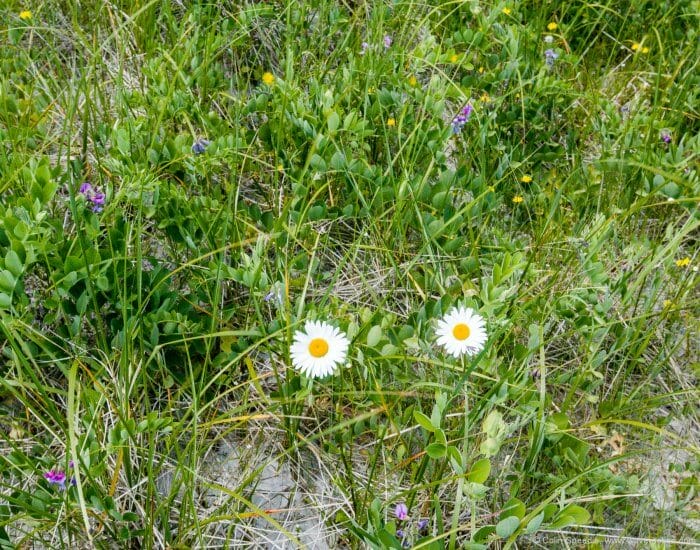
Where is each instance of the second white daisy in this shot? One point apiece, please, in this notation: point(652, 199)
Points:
point(462, 331)
point(318, 349)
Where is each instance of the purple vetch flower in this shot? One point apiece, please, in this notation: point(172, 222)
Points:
point(400, 534)
point(549, 57)
point(462, 118)
point(665, 136)
point(401, 512)
point(422, 526)
point(200, 145)
point(387, 41)
point(363, 48)
point(56, 477)
point(93, 196)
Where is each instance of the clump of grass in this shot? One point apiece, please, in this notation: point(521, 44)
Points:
point(184, 188)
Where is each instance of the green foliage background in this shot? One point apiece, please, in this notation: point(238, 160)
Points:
point(137, 339)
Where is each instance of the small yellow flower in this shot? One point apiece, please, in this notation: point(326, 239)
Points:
point(481, 70)
point(517, 199)
point(391, 122)
point(667, 304)
point(645, 50)
point(412, 80)
point(25, 14)
point(454, 58)
point(683, 262)
point(268, 78)
point(552, 26)
point(506, 11)
point(485, 97)
point(370, 90)
point(526, 178)
point(635, 46)
point(280, 168)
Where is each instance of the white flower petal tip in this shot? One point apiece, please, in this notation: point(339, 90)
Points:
point(461, 332)
point(318, 349)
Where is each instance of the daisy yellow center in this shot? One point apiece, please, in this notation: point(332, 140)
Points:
point(461, 331)
point(318, 347)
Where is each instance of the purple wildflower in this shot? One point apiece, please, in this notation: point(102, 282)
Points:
point(387, 41)
point(401, 512)
point(199, 146)
point(56, 477)
point(92, 195)
point(400, 533)
point(363, 48)
point(665, 136)
point(549, 57)
point(462, 118)
point(422, 525)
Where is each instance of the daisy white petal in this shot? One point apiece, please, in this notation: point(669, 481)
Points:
point(461, 332)
point(318, 349)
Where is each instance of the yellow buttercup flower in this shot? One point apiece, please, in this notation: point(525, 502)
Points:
point(645, 50)
point(454, 58)
point(517, 199)
point(481, 70)
point(412, 80)
point(484, 97)
point(391, 122)
point(635, 46)
point(552, 26)
point(683, 262)
point(526, 178)
point(268, 78)
point(506, 11)
point(25, 14)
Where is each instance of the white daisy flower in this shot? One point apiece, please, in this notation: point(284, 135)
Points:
point(318, 349)
point(461, 332)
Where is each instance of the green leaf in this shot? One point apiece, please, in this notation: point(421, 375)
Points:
point(374, 336)
point(333, 122)
point(490, 446)
point(534, 524)
point(102, 283)
point(7, 281)
point(436, 450)
point(317, 212)
point(338, 161)
point(514, 507)
point(483, 533)
point(13, 263)
point(493, 425)
point(317, 163)
point(480, 471)
point(5, 300)
point(506, 527)
point(423, 420)
point(389, 540)
point(43, 175)
point(82, 303)
point(571, 515)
